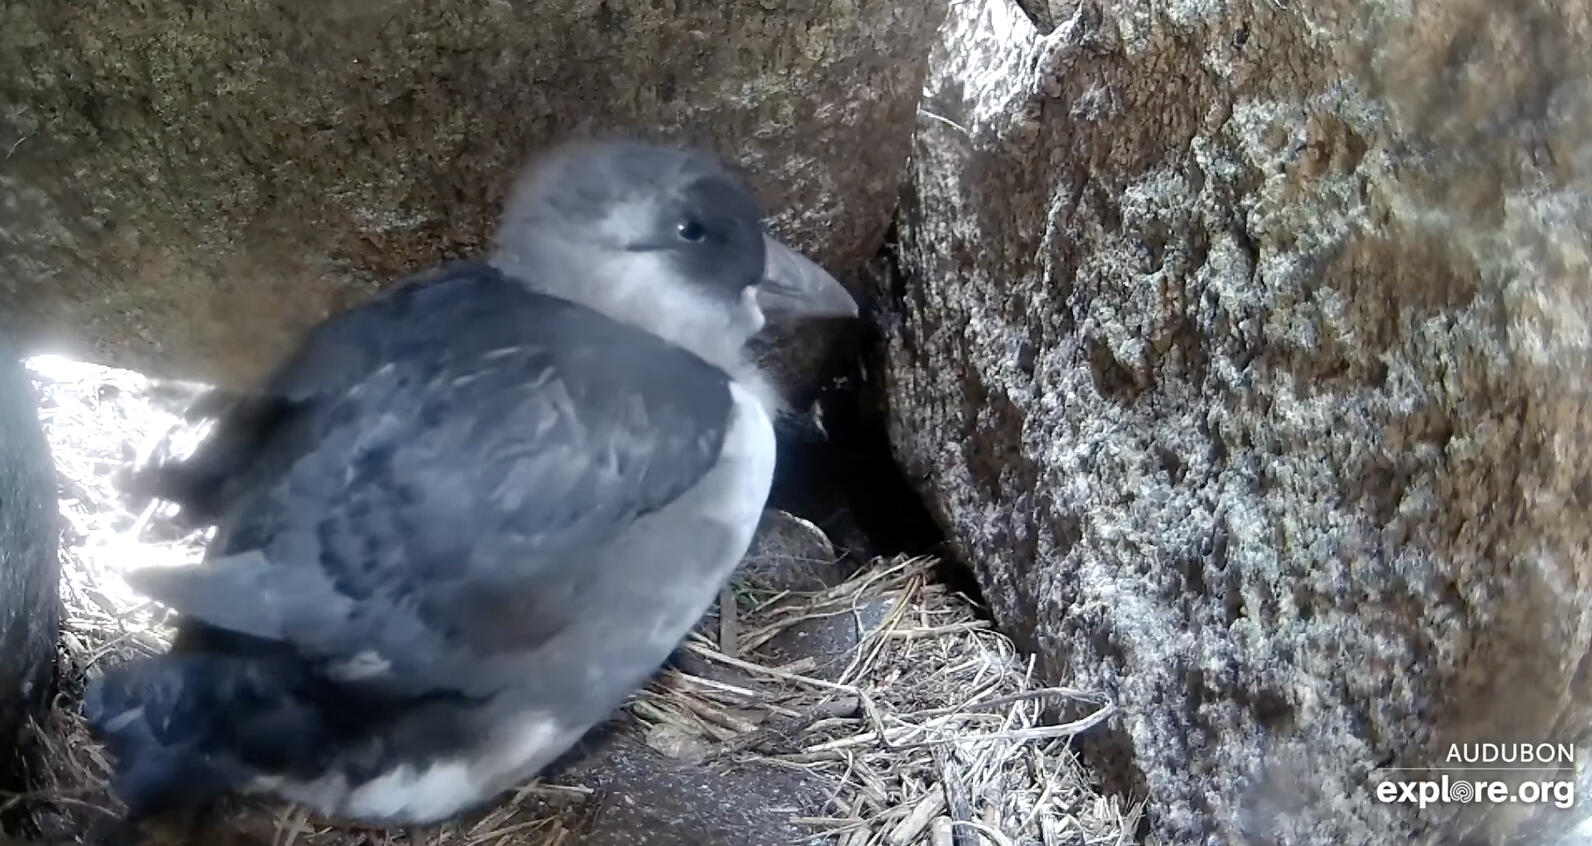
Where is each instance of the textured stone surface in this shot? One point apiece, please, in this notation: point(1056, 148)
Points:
point(29, 566)
point(645, 798)
point(184, 186)
point(829, 642)
point(1242, 348)
point(789, 553)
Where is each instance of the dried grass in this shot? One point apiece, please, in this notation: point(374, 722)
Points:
point(936, 733)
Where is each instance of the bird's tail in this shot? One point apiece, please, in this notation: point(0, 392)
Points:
point(185, 729)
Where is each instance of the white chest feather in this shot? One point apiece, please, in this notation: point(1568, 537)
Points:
point(724, 508)
point(748, 454)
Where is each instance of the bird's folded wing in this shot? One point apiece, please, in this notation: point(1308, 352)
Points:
point(432, 518)
point(251, 438)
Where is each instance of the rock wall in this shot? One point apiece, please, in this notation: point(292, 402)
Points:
point(29, 563)
point(1242, 348)
point(185, 186)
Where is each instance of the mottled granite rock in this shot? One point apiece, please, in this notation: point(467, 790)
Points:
point(186, 186)
point(1242, 348)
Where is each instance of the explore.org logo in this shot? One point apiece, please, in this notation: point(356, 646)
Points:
point(1522, 773)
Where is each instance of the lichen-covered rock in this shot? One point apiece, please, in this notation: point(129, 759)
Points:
point(185, 186)
point(29, 566)
point(1243, 350)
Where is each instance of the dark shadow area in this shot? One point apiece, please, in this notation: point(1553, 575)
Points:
point(836, 466)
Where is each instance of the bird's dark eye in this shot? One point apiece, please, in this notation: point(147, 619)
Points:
point(690, 230)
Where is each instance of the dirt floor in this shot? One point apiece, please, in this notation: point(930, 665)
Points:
point(889, 692)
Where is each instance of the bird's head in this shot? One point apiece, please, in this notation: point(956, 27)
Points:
point(665, 239)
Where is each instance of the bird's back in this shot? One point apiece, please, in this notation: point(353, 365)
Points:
point(453, 310)
point(409, 455)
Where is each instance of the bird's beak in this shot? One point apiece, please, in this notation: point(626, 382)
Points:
point(794, 285)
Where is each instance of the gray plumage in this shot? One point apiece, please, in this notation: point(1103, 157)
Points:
point(463, 521)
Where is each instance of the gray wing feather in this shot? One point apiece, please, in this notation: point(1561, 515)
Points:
point(279, 597)
point(432, 520)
